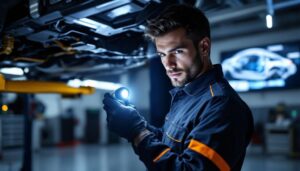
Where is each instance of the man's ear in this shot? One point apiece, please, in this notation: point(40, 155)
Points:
point(204, 47)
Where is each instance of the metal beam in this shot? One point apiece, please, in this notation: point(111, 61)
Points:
point(247, 11)
point(232, 14)
point(41, 87)
point(250, 27)
point(286, 4)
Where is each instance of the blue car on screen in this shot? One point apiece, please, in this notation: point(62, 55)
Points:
point(258, 64)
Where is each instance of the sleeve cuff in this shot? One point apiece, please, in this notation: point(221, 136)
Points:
point(140, 137)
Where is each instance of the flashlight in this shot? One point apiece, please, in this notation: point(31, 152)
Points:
point(122, 94)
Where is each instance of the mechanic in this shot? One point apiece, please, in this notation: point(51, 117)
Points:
point(208, 126)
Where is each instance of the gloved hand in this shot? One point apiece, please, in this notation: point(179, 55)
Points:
point(121, 119)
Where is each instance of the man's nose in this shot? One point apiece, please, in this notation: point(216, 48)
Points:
point(170, 61)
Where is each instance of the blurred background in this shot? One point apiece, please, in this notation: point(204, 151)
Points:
point(59, 57)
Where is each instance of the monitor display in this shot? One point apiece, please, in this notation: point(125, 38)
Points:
point(275, 66)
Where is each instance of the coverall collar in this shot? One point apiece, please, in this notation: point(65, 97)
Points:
point(201, 83)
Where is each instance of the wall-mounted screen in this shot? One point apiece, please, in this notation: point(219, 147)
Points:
point(275, 66)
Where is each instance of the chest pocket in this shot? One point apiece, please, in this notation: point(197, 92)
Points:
point(175, 136)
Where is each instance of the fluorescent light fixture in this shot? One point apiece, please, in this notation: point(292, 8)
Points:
point(12, 71)
point(103, 85)
point(275, 48)
point(293, 55)
point(269, 21)
point(126, 9)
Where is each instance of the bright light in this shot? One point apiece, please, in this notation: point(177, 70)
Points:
point(269, 21)
point(12, 71)
point(124, 93)
point(4, 108)
point(75, 83)
point(103, 85)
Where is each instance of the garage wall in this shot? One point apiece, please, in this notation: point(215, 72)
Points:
point(57, 106)
point(266, 98)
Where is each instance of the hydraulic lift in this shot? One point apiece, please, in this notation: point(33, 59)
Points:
point(33, 87)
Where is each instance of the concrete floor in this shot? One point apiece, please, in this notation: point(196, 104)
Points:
point(122, 158)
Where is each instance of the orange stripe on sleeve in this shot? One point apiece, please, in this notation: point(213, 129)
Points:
point(161, 154)
point(210, 154)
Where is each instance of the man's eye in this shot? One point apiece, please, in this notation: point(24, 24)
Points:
point(178, 51)
point(161, 54)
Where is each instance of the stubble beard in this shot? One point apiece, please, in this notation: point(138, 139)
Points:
point(180, 83)
point(188, 77)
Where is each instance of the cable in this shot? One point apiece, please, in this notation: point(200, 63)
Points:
point(29, 59)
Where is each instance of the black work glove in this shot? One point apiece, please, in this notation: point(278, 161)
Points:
point(123, 119)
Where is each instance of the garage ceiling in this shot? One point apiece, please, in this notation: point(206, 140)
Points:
point(88, 39)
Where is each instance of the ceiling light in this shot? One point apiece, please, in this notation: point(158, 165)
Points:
point(269, 21)
point(12, 71)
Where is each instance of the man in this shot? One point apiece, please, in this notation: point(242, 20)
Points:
point(208, 126)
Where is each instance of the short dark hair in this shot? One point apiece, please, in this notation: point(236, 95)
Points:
point(176, 16)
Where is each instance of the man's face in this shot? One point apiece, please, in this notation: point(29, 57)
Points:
point(179, 57)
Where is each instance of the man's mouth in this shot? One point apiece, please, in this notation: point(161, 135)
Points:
point(174, 74)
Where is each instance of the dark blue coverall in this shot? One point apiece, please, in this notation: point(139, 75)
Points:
point(207, 128)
